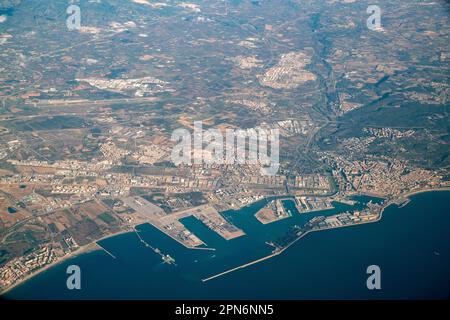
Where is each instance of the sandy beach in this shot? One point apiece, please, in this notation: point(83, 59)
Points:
point(94, 246)
point(380, 216)
point(91, 247)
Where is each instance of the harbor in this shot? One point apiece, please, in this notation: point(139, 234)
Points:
point(304, 261)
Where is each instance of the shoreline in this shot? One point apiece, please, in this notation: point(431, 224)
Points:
point(94, 246)
point(395, 201)
point(91, 247)
point(274, 254)
point(85, 249)
point(412, 193)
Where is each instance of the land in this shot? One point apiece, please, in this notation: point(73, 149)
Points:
point(86, 117)
point(372, 214)
point(274, 211)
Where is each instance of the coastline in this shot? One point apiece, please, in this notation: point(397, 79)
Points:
point(395, 201)
point(94, 246)
point(91, 247)
point(277, 253)
point(411, 193)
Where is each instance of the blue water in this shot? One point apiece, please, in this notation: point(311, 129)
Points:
point(410, 244)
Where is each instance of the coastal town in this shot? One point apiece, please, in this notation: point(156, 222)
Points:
point(82, 202)
point(89, 119)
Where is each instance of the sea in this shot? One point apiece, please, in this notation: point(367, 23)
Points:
point(411, 246)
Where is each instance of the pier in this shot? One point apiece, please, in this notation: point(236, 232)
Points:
point(166, 258)
point(279, 250)
point(109, 253)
